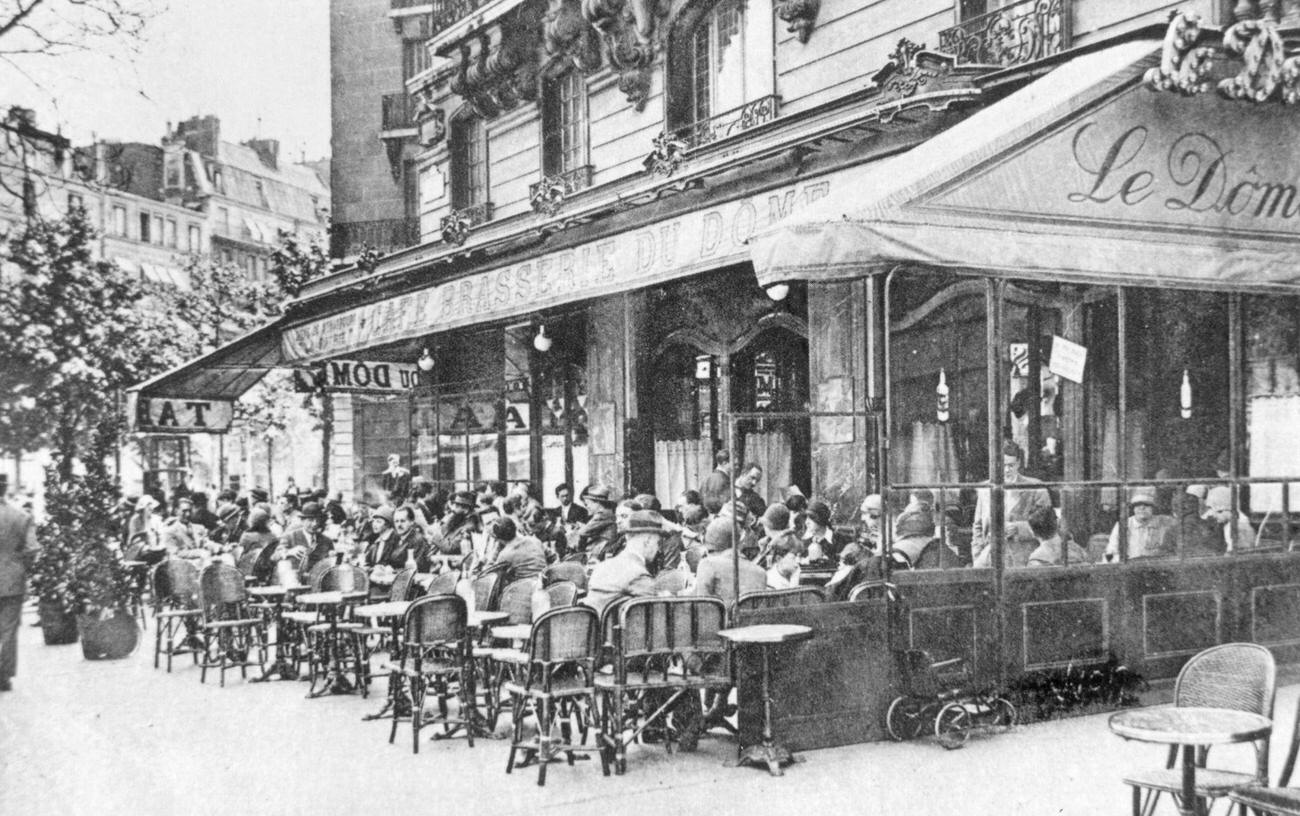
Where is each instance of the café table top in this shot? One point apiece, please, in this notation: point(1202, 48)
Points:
point(385, 609)
point(330, 598)
point(482, 617)
point(767, 633)
point(274, 591)
point(518, 631)
point(132, 564)
point(1189, 725)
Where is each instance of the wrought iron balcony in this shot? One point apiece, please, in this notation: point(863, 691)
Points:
point(397, 112)
point(448, 12)
point(386, 235)
point(547, 195)
point(406, 5)
point(1012, 35)
point(455, 226)
point(1285, 12)
point(732, 123)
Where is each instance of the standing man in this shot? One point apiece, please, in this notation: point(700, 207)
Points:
point(716, 489)
point(18, 549)
point(396, 480)
point(750, 475)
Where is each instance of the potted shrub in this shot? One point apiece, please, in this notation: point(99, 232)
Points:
point(52, 588)
point(102, 586)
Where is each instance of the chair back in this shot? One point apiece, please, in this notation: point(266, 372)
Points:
point(670, 582)
point(1241, 676)
point(873, 590)
point(780, 598)
point(671, 628)
point(443, 584)
point(517, 600)
point(564, 593)
point(1289, 765)
point(402, 582)
point(317, 573)
point(565, 635)
point(486, 590)
point(344, 578)
point(175, 584)
point(221, 591)
point(247, 560)
point(570, 571)
point(435, 620)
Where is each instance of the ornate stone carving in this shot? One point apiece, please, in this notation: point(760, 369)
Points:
point(910, 70)
point(456, 225)
point(430, 120)
point(631, 33)
point(668, 154)
point(568, 39)
point(492, 78)
point(800, 14)
point(1183, 67)
point(547, 196)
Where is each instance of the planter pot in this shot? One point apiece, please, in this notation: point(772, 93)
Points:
point(57, 625)
point(108, 638)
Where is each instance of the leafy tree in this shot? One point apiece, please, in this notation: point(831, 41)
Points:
point(221, 303)
point(74, 339)
point(294, 264)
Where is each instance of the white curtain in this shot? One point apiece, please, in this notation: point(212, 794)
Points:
point(681, 464)
point(772, 452)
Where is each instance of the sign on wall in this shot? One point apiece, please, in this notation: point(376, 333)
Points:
point(357, 375)
point(179, 415)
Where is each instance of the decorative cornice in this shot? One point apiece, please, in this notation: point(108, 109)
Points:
point(800, 14)
point(1267, 73)
point(631, 33)
point(495, 78)
point(911, 70)
point(568, 39)
point(456, 225)
point(430, 120)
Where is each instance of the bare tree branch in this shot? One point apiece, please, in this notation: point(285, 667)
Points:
point(54, 27)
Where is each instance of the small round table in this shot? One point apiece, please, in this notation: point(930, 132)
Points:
point(1190, 727)
point(768, 753)
point(336, 680)
point(276, 595)
point(394, 612)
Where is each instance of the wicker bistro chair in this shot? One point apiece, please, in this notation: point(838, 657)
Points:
point(333, 639)
point(663, 650)
point(1240, 676)
point(444, 583)
point(559, 674)
point(176, 613)
point(501, 658)
point(487, 590)
point(1274, 801)
point(231, 631)
point(437, 657)
point(566, 571)
point(403, 583)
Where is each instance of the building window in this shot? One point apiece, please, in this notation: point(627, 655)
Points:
point(169, 233)
point(193, 238)
point(218, 183)
point(119, 221)
point(223, 221)
point(415, 58)
point(717, 62)
point(564, 124)
point(145, 230)
point(469, 157)
point(157, 233)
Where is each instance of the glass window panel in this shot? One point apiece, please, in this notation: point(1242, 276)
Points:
point(1271, 357)
point(1038, 535)
point(518, 453)
point(729, 59)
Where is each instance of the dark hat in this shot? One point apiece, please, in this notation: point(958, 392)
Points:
point(227, 510)
point(719, 535)
point(385, 512)
point(645, 521)
point(258, 495)
point(258, 518)
point(820, 512)
point(312, 510)
point(914, 524)
point(503, 529)
point(601, 494)
point(463, 498)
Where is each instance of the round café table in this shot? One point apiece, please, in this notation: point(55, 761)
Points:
point(393, 612)
point(1190, 727)
point(769, 753)
point(277, 595)
point(332, 604)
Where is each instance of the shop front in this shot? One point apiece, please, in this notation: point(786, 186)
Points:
point(1086, 297)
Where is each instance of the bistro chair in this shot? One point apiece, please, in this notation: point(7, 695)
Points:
point(403, 582)
point(486, 590)
point(664, 649)
point(436, 658)
point(334, 638)
point(874, 590)
point(231, 631)
point(1240, 676)
point(176, 613)
point(564, 593)
point(501, 658)
point(570, 571)
point(558, 675)
point(670, 582)
point(778, 599)
point(248, 560)
point(1277, 801)
point(443, 583)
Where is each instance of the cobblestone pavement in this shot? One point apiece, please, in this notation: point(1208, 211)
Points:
point(80, 737)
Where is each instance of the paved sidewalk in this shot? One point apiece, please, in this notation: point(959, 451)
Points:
point(80, 737)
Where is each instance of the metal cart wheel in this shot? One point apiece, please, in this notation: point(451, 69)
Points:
point(905, 718)
point(1004, 713)
point(952, 725)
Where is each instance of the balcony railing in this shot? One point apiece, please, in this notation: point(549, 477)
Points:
point(386, 235)
point(1012, 35)
point(402, 5)
point(397, 112)
point(732, 123)
point(1286, 12)
point(547, 195)
point(448, 12)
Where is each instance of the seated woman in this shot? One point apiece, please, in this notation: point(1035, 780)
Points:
point(1043, 524)
point(1149, 535)
point(784, 556)
point(822, 543)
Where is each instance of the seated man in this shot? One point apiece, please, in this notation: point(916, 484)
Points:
point(1043, 524)
point(717, 574)
point(1017, 504)
point(1149, 535)
point(913, 540)
point(627, 575)
point(520, 556)
point(869, 513)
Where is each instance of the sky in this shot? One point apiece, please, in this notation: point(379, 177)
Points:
point(261, 66)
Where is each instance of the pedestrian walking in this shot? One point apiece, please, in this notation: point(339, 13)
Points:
point(17, 549)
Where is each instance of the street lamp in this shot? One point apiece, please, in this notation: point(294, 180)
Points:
point(541, 342)
point(426, 361)
point(778, 291)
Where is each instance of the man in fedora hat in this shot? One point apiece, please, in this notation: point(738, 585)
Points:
point(309, 537)
point(601, 530)
point(716, 574)
point(1149, 535)
point(627, 575)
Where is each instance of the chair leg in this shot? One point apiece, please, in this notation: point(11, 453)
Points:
point(418, 688)
point(516, 728)
point(543, 708)
point(620, 747)
point(392, 732)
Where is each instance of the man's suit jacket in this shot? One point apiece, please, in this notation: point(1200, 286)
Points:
point(17, 542)
point(573, 514)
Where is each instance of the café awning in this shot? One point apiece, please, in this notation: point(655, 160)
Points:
point(223, 374)
point(1085, 174)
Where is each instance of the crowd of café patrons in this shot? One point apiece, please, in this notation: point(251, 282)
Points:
point(717, 537)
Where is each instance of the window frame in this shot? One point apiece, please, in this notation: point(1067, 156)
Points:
point(470, 170)
point(557, 156)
